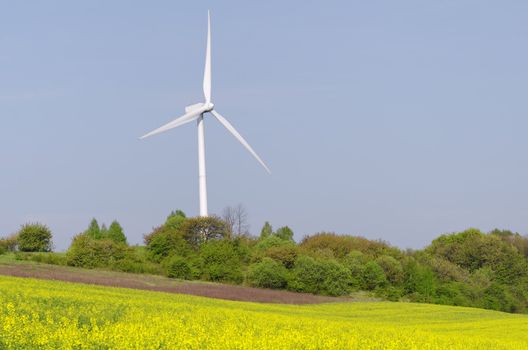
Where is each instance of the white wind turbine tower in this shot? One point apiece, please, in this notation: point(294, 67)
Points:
point(197, 112)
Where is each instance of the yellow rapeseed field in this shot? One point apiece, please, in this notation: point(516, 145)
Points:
point(36, 314)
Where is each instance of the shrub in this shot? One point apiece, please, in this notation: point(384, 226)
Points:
point(34, 238)
point(273, 241)
point(178, 267)
point(420, 282)
point(452, 293)
point(47, 258)
point(221, 261)
point(9, 244)
point(373, 276)
point(165, 241)
point(392, 269)
point(285, 254)
point(88, 252)
point(266, 231)
point(342, 245)
point(284, 233)
point(268, 274)
point(391, 293)
point(134, 264)
point(446, 271)
point(320, 277)
point(175, 219)
point(354, 261)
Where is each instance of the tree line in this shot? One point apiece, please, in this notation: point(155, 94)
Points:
point(469, 268)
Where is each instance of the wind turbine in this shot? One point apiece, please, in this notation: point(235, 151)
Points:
point(197, 112)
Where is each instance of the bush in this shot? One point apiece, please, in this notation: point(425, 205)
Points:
point(88, 252)
point(446, 271)
point(178, 267)
point(284, 233)
point(373, 276)
point(175, 219)
point(165, 241)
point(47, 258)
point(342, 245)
point(286, 254)
point(355, 262)
point(34, 238)
point(320, 277)
point(273, 241)
point(268, 274)
point(392, 269)
point(221, 261)
point(420, 282)
point(9, 244)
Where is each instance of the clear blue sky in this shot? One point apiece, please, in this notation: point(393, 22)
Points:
point(398, 120)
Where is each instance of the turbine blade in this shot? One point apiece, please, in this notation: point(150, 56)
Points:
point(184, 119)
point(207, 70)
point(239, 137)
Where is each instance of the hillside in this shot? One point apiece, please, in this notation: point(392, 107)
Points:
point(469, 268)
point(51, 314)
point(11, 267)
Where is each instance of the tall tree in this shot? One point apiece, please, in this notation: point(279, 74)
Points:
point(236, 219)
point(175, 219)
point(103, 232)
point(115, 233)
point(266, 231)
point(93, 231)
point(228, 215)
point(285, 233)
point(199, 230)
point(34, 238)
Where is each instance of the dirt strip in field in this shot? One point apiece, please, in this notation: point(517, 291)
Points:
point(162, 284)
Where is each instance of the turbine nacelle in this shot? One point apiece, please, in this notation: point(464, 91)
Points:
point(202, 107)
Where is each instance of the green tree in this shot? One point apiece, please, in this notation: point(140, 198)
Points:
point(175, 219)
point(420, 282)
point(103, 231)
point(355, 262)
point(272, 241)
point(285, 254)
point(34, 238)
point(199, 230)
point(221, 261)
point(165, 241)
point(373, 276)
point(9, 243)
point(266, 231)
point(319, 276)
point(268, 274)
point(115, 233)
point(284, 233)
point(392, 268)
point(93, 231)
point(88, 252)
point(178, 267)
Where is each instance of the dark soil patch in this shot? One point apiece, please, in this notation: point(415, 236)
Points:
point(162, 284)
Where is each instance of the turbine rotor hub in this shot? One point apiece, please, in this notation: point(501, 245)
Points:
point(208, 106)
